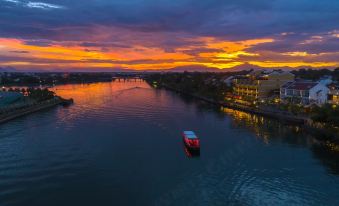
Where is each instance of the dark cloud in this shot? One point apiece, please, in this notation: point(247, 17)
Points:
point(4, 59)
point(39, 42)
point(20, 52)
point(307, 43)
point(237, 19)
point(133, 62)
point(197, 51)
point(107, 25)
point(105, 44)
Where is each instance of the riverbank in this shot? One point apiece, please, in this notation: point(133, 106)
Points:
point(282, 116)
point(325, 136)
point(34, 108)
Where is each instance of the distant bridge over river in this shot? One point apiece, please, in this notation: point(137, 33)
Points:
point(128, 79)
point(135, 77)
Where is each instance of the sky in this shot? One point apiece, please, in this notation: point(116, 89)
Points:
point(58, 35)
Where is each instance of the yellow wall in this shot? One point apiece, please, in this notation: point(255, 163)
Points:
point(252, 88)
point(335, 99)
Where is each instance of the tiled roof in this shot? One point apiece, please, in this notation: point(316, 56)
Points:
point(333, 86)
point(287, 85)
point(300, 85)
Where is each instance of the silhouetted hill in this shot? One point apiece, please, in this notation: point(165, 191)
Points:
point(194, 68)
point(246, 66)
point(200, 68)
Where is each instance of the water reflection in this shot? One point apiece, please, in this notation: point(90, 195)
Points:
point(190, 153)
point(329, 158)
point(269, 130)
point(119, 145)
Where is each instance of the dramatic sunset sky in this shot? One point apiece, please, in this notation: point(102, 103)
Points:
point(59, 35)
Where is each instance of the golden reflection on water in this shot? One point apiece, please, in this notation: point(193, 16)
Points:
point(100, 98)
point(264, 128)
point(333, 147)
point(81, 92)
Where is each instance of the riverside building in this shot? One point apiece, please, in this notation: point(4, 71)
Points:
point(259, 85)
point(333, 95)
point(304, 92)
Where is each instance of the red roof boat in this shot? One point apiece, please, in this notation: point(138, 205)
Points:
point(191, 140)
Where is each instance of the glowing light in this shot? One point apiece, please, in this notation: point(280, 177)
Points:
point(296, 54)
point(235, 55)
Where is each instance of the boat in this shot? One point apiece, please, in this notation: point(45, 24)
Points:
point(67, 102)
point(191, 140)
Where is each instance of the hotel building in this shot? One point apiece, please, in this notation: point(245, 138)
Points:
point(259, 85)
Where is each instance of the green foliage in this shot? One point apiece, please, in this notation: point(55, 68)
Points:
point(295, 109)
point(209, 85)
point(47, 78)
point(315, 74)
point(326, 114)
point(40, 94)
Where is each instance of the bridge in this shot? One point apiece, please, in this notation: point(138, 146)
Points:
point(128, 79)
point(134, 77)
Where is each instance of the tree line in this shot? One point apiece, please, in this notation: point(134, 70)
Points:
point(37, 94)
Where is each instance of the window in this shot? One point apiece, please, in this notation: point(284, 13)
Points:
point(306, 93)
point(296, 93)
point(290, 92)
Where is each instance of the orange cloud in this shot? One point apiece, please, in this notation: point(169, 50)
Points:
point(271, 64)
point(206, 51)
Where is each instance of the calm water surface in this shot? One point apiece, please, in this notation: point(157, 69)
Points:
point(120, 144)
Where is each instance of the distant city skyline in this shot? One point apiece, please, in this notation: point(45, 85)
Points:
point(62, 35)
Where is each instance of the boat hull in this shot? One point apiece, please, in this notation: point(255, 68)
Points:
point(191, 153)
point(189, 146)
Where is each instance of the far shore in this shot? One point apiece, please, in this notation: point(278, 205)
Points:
point(34, 108)
point(52, 85)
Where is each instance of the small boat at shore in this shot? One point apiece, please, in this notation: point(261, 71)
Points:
point(67, 102)
point(191, 140)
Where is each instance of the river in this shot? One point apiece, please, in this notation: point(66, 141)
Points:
point(121, 144)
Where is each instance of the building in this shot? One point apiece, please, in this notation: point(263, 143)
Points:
point(326, 80)
point(333, 95)
point(260, 84)
point(304, 92)
point(229, 80)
